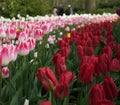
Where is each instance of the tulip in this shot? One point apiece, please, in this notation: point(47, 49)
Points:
point(5, 55)
point(81, 51)
point(110, 88)
point(115, 65)
point(104, 102)
point(51, 39)
point(67, 77)
point(13, 52)
point(62, 43)
point(104, 63)
point(107, 50)
point(65, 51)
point(56, 56)
point(38, 34)
point(90, 51)
point(5, 72)
point(23, 48)
point(45, 103)
point(86, 73)
point(60, 65)
point(11, 33)
point(47, 78)
point(61, 90)
point(96, 93)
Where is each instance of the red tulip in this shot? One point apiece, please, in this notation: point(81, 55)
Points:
point(47, 78)
point(46, 103)
point(62, 43)
point(81, 51)
point(86, 73)
point(56, 56)
point(65, 51)
point(60, 65)
point(104, 63)
point(115, 65)
point(61, 90)
point(110, 88)
point(108, 51)
point(96, 93)
point(104, 102)
point(90, 51)
point(67, 77)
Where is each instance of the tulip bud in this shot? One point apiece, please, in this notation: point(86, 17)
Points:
point(61, 90)
point(96, 93)
point(86, 73)
point(47, 78)
point(5, 72)
point(110, 88)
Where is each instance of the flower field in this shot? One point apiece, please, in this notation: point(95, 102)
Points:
point(68, 60)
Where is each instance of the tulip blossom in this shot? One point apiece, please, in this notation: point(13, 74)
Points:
point(86, 73)
point(67, 77)
point(107, 50)
point(2, 32)
point(5, 72)
point(23, 48)
point(13, 51)
point(45, 103)
point(96, 93)
point(38, 34)
point(81, 51)
point(62, 90)
point(104, 63)
point(60, 65)
point(51, 39)
point(110, 88)
point(47, 78)
point(62, 43)
point(11, 33)
point(104, 102)
point(5, 55)
point(115, 65)
point(65, 51)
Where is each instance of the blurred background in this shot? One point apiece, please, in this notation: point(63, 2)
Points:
point(10, 8)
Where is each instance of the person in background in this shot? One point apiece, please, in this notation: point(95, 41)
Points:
point(60, 10)
point(55, 11)
point(70, 10)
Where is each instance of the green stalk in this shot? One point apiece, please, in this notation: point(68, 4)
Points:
point(52, 98)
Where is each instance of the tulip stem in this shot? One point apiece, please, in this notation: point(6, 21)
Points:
point(52, 98)
point(0, 86)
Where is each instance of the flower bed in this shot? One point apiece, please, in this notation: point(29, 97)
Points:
point(84, 60)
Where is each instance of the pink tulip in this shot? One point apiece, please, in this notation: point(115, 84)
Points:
point(5, 55)
point(23, 48)
point(5, 72)
point(11, 33)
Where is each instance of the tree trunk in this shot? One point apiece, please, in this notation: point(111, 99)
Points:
point(90, 6)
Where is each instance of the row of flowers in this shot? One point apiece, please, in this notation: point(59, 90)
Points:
point(91, 65)
point(25, 38)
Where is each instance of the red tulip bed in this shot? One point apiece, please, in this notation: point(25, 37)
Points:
point(80, 67)
point(89, 79)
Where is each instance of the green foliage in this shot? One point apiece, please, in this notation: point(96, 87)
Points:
point(24, 7)
point(105, 10)
point(115, 3)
